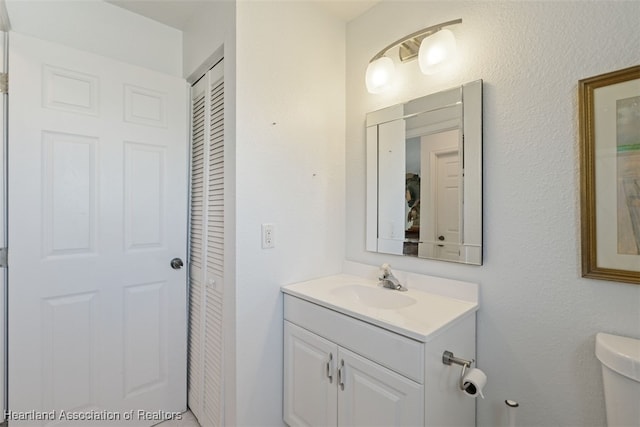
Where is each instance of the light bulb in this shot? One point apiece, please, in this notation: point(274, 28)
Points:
point(437, 51)
point(379, 74)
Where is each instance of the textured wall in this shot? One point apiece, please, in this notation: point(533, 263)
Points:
point(538, 317)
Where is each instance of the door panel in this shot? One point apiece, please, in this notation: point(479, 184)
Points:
point(375, 396)
point(310, 396)
point(69, 172)
point(97, 207)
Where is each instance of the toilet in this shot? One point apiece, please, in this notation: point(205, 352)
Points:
point(620, 357)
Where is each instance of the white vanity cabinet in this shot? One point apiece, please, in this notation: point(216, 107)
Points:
point(327, 385)
point(369, 362)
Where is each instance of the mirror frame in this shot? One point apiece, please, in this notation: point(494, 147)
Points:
point(469, 96)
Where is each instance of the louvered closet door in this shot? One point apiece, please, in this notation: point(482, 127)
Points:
point(207, 249)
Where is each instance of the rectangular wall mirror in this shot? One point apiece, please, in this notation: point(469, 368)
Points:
point(424, 177)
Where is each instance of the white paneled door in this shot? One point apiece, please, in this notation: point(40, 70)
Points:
point(97, 211)
point(448, 205)
point(440, 188)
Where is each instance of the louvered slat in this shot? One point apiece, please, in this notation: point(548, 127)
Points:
point(196, 260)
point(197, 181)
point(207, 254)
point(213, 362)
point(215, 194)
point(215, 256)
point(195, 343)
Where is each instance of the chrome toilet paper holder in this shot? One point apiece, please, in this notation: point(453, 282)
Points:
point(448, 358)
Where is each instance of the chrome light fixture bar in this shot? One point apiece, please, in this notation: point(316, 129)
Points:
point(431, 45)
point(410, 45)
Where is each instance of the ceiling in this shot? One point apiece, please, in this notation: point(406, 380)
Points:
point(176, 13)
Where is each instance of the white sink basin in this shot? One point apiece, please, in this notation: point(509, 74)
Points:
point(382, 298)
point(417, 314)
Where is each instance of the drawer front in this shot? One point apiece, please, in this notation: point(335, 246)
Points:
point(396, 352)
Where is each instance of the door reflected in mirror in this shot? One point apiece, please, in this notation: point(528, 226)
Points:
point(424, 177)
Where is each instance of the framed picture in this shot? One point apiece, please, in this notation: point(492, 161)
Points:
point(610, 175)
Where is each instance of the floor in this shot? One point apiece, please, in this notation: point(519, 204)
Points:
point(188, 420)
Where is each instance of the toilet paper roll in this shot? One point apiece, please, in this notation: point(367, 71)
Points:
point(473, 382)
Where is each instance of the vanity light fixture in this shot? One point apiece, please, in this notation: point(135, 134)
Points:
point(434, 47)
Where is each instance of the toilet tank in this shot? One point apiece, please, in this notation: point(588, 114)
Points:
point(620, 357)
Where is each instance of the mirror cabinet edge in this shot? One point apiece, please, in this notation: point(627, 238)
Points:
point(371, 195)
point(473, 170)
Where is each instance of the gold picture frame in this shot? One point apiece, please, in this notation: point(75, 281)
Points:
point(609, 118)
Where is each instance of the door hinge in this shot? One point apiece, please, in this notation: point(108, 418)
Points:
point(3, 258)
point(4, 82)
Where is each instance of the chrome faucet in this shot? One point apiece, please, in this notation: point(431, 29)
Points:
point(388, 280)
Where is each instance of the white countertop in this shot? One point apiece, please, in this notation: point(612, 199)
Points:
point(422, 319)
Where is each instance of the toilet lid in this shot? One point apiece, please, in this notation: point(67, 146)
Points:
point(621, 354)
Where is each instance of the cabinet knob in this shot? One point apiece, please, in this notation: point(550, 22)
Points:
point(341, 375)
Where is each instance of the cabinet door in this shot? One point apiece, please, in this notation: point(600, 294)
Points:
point(310, 392)
point(371, 395)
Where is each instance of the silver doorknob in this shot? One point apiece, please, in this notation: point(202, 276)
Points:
point(176, 263)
